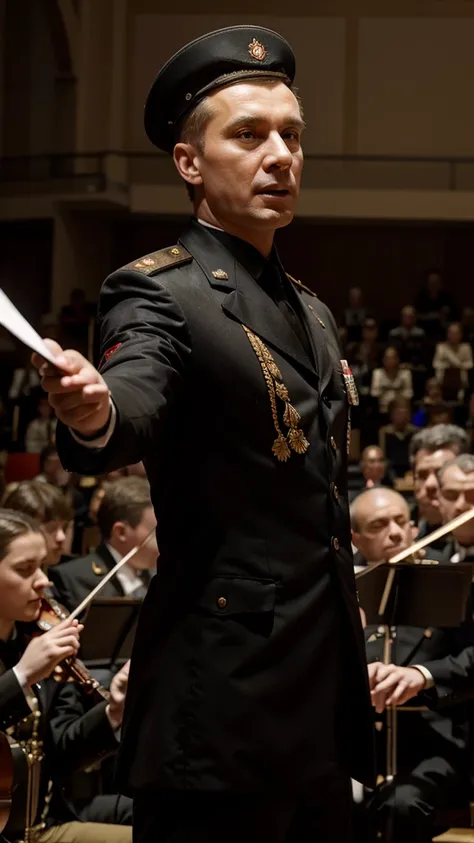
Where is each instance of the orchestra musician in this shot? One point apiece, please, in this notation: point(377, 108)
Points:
point(62, 727)
point(433, 761)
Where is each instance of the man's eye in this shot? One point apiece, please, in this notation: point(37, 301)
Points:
point(291, 135)
point(246, 134)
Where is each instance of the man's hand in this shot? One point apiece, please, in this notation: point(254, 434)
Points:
point(44, 653)
point(393, 685)
point(77, 392)
point(118, 691)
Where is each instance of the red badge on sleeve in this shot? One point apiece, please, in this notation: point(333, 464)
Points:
point(108, 354)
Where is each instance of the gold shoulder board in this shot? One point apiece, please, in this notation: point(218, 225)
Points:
point(158, 261)
point(301, 286)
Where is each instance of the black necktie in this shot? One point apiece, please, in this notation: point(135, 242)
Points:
point(272, 283)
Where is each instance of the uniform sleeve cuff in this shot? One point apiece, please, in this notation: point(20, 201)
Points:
point(102, 437)
point(429, 681)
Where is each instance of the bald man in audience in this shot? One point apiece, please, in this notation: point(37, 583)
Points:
point(433, 770)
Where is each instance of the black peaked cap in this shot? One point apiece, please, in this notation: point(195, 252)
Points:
point(212, 61)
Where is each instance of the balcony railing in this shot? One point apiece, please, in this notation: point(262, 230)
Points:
point(95, 172)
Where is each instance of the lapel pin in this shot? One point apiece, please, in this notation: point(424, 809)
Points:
point(220, 274)
point(97, 569)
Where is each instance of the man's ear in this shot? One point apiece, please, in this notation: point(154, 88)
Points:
point(186, 161)
point(119, 531)
point(355, 538)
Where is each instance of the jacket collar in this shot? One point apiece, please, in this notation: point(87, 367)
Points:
point(245, 301)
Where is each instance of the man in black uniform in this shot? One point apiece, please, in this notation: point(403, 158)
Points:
point(248, 693)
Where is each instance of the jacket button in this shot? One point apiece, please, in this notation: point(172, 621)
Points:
point(221, 602)
point(335, 491)
point(332, 442)
point(335, 543)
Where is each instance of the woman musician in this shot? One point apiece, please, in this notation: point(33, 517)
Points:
point(58, 728)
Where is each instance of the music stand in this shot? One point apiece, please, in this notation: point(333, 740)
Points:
point(109, 631)
point(419, 594)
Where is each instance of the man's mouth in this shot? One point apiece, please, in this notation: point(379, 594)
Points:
point(279, 192)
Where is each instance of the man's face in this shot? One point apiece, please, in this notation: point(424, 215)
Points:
point(400, 417)
point(457, 496)
point(426, 484)
point(251, 160)
point(146, 558)
point(21, 579)
point(55, 534)
point(373, 465)
point(384, 526)
point(408, 317)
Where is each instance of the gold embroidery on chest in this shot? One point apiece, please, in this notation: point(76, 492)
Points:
point(295, 438)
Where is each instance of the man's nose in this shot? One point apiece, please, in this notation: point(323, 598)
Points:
point(461, 504)
point(278, 154)
point(431, 483)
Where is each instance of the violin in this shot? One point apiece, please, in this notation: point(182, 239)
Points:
point(70, 669)
point(52, 613)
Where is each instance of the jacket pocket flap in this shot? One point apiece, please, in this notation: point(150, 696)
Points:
point(238, 595)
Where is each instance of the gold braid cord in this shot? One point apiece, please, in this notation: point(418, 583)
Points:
point(295, 438)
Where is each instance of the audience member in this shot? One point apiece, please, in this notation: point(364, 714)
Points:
point(429, 450)
point(373, 472)
point(41, 430)
point(364, 356)
point(354, 314)
point(452, 361)
point(467, 324)
point(395, 437)
point(432, 762)
point(409, 338)
point(434, 304)
point(51, 508)
point(470, 421)
point(125, 518)
point(439, 414)
point(391, 380)
point(50, 468)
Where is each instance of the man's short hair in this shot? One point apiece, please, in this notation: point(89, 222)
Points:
point(42, 501)
point(125, 499)
point(439, 436)
point(464, 461)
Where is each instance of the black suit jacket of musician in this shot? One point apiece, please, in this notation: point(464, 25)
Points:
point(75, 731)
point(75, 579)
point(442, 732)
point(225, 687)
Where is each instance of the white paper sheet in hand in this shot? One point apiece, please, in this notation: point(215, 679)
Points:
point(13, 321)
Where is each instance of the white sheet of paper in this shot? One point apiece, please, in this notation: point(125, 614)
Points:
point(13, 321)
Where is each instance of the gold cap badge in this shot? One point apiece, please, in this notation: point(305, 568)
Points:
point(220, 274)
point(257, 50)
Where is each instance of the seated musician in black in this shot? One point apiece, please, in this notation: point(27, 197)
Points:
point(125, 517)
point(72, 730)
point(433, 763)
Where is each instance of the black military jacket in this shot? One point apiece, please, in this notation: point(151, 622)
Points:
point(253, 617)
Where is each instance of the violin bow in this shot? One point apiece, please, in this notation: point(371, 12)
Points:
point(77, 611)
